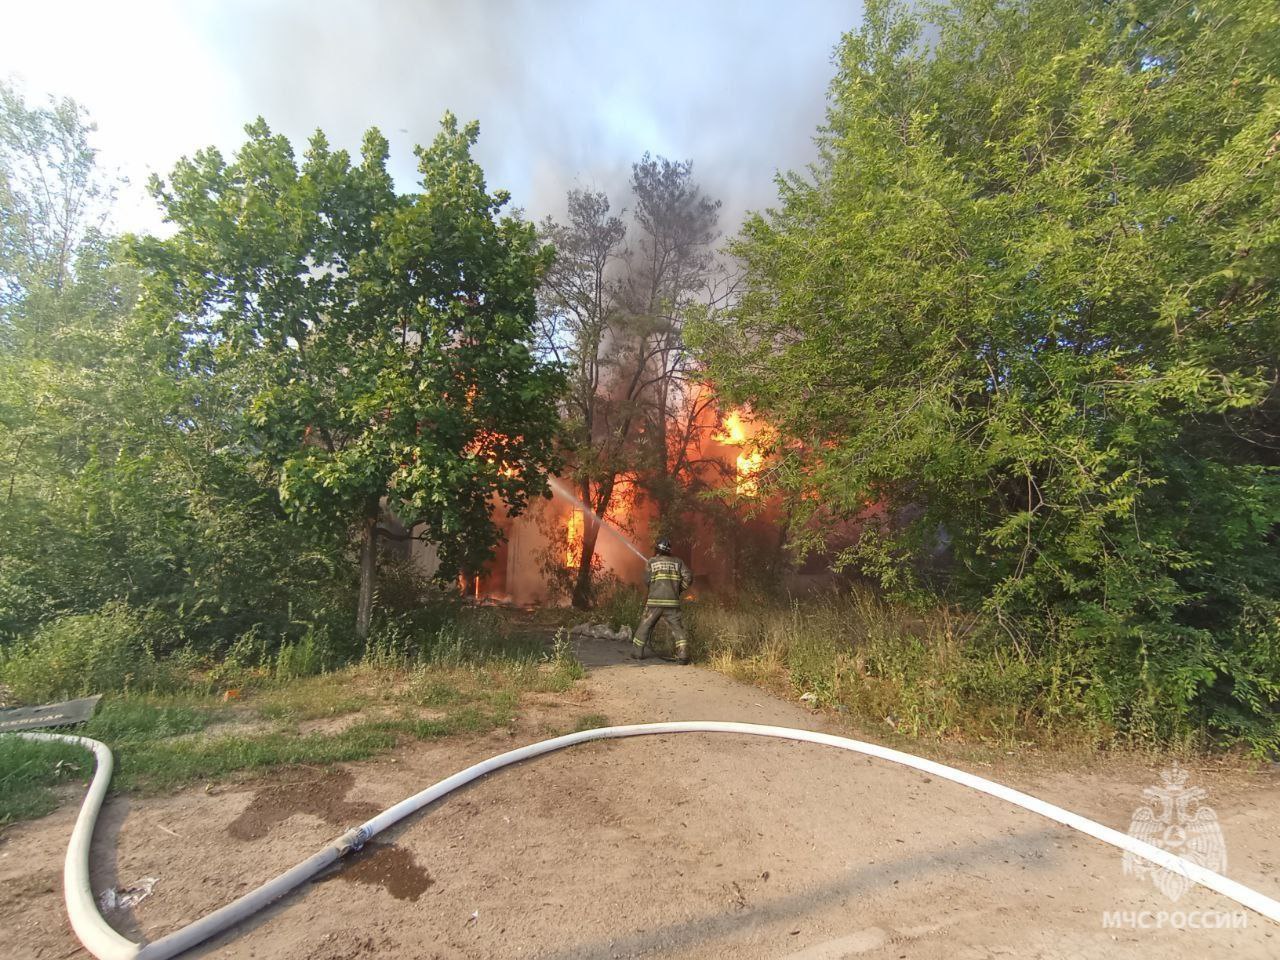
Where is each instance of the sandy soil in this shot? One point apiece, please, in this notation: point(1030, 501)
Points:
point(677, 847)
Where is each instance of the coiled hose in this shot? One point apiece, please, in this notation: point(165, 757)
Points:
point(106, 944)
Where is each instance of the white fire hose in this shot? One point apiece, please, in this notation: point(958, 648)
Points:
point(106, 944)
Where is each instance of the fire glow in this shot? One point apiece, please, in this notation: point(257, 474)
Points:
point(573, 539)
point(733, 433)
point(487, 445)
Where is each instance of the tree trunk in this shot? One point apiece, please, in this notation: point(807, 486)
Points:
point(582, 598)
point(368, 569)
point(662, 489)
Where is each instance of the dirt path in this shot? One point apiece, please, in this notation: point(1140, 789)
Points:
point(686, 846)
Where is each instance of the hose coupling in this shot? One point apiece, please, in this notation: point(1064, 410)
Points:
point(352, 840)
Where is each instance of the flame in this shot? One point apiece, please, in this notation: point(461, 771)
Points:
point(573, 539)
point(623, 502)
point(749, 464)
point(733, 433)
point(486, 444)
point(618, 513)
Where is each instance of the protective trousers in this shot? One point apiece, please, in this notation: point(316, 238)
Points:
point(674, 621)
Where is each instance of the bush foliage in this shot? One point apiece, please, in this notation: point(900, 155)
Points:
point(1024, 311)
point(115, 648)
point(183, 422)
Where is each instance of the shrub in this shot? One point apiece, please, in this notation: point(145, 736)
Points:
point(129, 720)
point(622, 606)
point(111, 650)
point(1023, 314)
point(929, 675)
point(311, 654)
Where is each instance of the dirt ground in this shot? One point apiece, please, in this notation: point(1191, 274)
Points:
point(691, 846)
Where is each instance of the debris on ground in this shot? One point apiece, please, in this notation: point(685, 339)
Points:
point(62, 714)
point(601, 631)
point(123, 898)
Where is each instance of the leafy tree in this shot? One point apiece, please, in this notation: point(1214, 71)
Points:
point(581, 328)
point(379, 343)
point(673, 269)
point(49, 219)
point(53, 205)
point(1026, 303)
point(119, 480)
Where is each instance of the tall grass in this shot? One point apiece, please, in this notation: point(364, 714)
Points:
point(621, 607)
point(115, 648)
point(134, 650)
point(920, 674)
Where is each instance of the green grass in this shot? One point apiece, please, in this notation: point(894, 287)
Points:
point(567, 672)
point(163, 742)
point(30, 770)
point(165, 765)
point(312, 698)
point(440, 693)
point(168, 764)
point(140, 719)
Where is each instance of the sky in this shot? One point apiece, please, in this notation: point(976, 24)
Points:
point(568, 93)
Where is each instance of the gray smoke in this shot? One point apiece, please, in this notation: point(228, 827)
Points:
point(567, 93)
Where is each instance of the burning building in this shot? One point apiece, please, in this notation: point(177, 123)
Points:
point(734, 538)
point(541, 549)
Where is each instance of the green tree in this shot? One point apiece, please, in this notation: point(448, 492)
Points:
point(379, 342)
point(1026, 303)
point(53, 206)
point(119, 477)
point(56, 291)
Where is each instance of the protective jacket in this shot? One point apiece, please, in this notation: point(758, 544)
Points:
point(668, 577)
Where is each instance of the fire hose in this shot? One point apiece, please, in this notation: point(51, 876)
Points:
point(105, 943)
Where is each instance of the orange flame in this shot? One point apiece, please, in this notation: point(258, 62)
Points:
point(485, 446)
point(749, 465)
point(733, 433)
point(573, 539)
point(623, 502)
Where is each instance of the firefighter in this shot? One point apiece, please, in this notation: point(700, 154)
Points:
point(667, 577)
